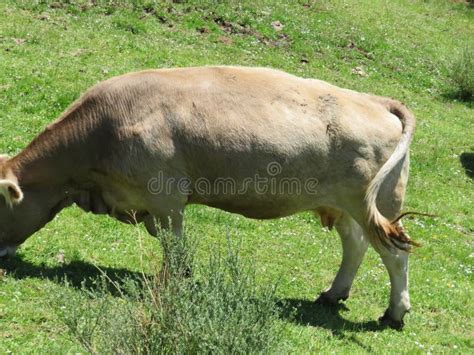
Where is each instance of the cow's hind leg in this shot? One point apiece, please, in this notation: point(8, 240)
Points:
point(390, 201)
point(397, 266)
point(354, 246)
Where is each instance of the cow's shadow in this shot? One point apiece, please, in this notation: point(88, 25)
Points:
point(467, 162)
point(314, 314)
point(77, 273)
point(309, 313)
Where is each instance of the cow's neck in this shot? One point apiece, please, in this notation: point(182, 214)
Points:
point(60, 155)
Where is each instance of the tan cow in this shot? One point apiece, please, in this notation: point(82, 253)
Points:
point(245, 140)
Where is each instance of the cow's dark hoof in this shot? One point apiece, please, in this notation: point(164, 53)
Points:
point(324, 299)
point(387, 321)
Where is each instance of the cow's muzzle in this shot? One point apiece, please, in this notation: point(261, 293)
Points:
point(6, 251)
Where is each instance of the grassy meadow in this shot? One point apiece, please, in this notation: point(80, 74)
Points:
point(51, 51)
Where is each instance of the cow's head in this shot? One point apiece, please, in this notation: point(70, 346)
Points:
point(22, 211)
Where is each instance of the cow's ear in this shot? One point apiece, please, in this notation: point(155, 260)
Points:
point(11, 192)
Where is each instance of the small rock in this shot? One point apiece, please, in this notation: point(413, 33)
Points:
point(60, 257)
point(351, 45)
point(43, 17)
point(359, 71)
point(203, 30)
point(277, 26)
point(19, 41)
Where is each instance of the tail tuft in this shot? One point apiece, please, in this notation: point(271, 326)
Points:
point(391, 235)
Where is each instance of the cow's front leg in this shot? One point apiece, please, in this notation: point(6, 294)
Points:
point(354, 246)
point(397, 266)
point(169, 228)
point(172, 222)
point(154, 225)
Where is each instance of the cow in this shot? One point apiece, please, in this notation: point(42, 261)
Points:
point(139, 146)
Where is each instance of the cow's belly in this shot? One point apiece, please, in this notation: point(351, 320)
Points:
point(259, 205)
point(265, 210)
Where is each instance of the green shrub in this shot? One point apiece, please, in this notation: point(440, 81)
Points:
point(218, 310)
point(461, 74)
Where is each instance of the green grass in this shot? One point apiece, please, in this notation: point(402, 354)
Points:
point(51, 52)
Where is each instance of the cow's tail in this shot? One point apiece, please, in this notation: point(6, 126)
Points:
point(384, 234)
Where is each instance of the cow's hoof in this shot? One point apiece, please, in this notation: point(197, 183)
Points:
point(387, 321)
point(324, 299)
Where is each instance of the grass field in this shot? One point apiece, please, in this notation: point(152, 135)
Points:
point(50, 52)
